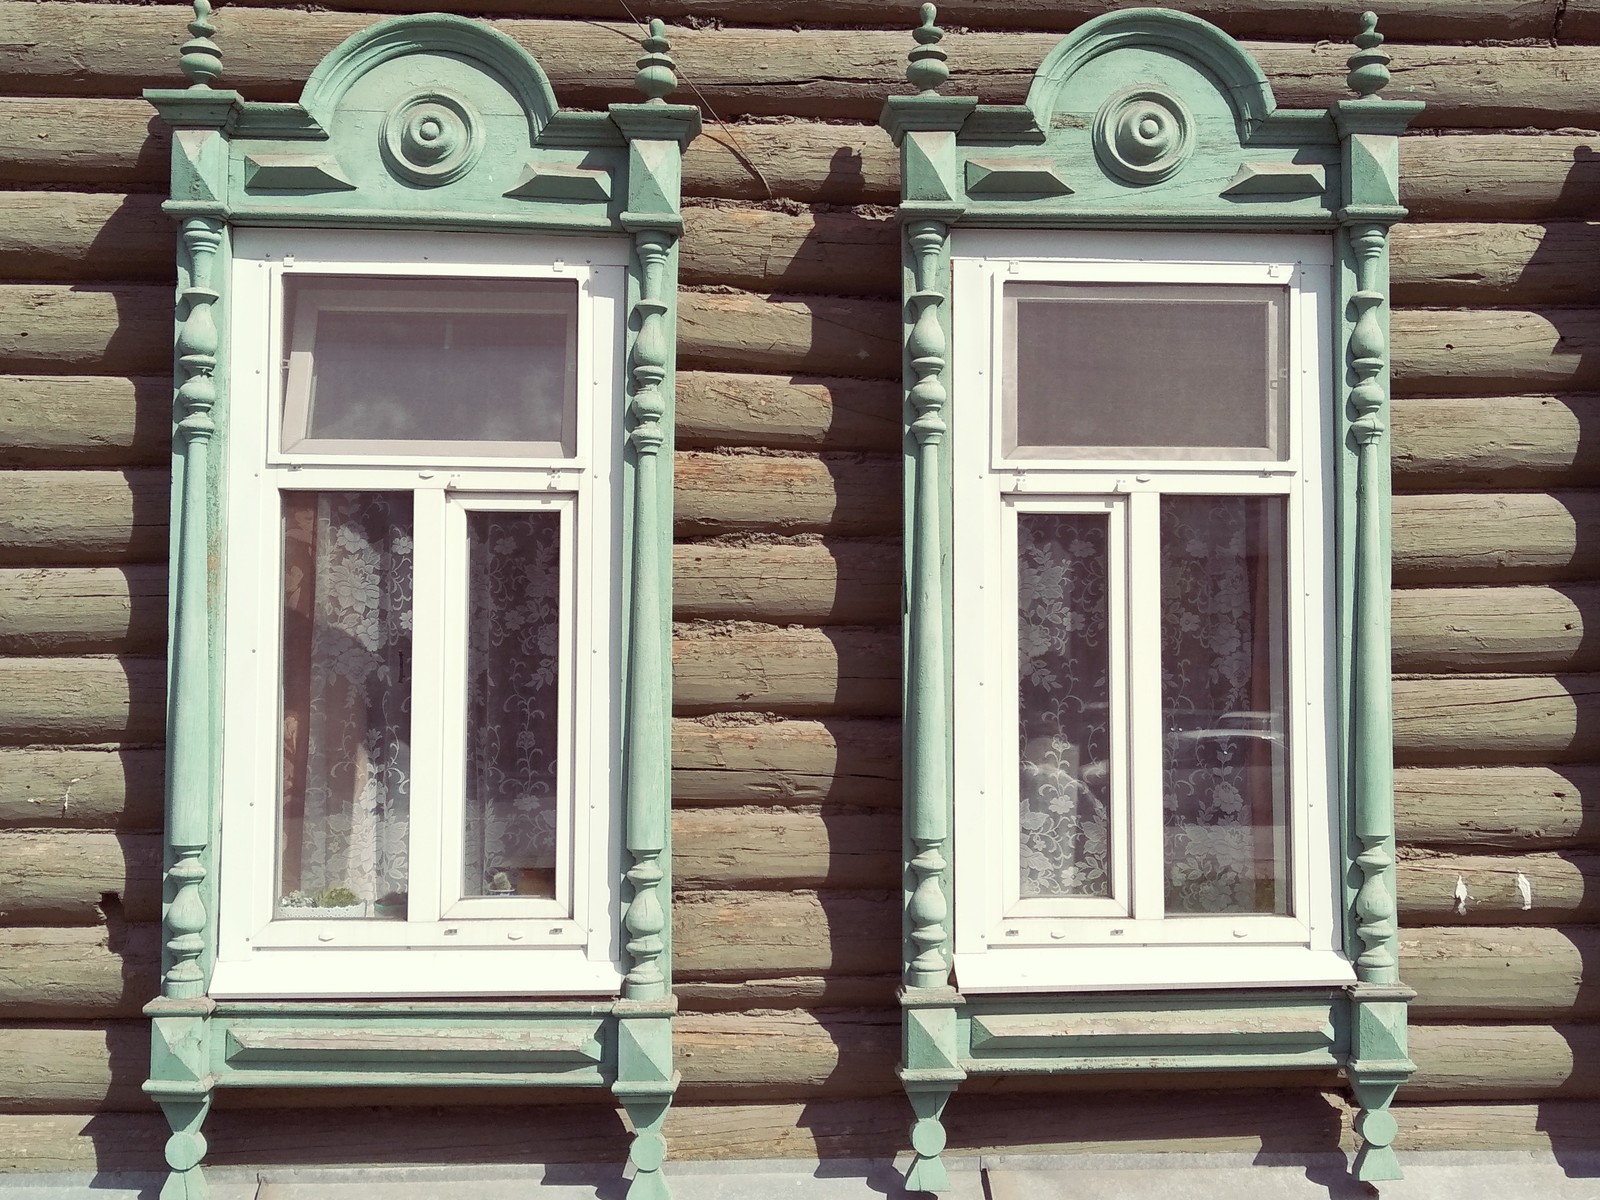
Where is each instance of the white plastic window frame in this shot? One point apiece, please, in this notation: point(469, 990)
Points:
point(449, 945)
point(1004, 942)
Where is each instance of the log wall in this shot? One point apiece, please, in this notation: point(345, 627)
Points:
point(786, 740)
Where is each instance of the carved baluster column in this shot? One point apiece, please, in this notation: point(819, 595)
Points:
point(924, 128)
point(656, 133)
point(180, 1073)
point(1378, 1063)
point(927, 716)
point(646, 779)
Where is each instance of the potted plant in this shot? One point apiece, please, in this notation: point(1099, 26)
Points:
point(330, 904)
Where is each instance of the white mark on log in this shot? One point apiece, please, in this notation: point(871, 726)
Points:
point(66, 797)
point(1525, 890)
point(1461, 894)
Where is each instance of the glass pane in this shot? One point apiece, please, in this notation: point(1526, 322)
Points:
point(1064, 704)
point(1126, 371)
point(480, 366)
point(1223, 694)
point(346, 785)
point(513, 702)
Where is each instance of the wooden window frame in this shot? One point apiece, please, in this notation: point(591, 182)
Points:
point(445, 946)
point(1002, 943)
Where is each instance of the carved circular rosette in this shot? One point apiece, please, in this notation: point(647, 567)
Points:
point(431, 138)
point(1143, 135)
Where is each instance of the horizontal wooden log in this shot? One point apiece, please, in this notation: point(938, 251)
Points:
point(1504, 1062)
point(1489, 629)
point(786, 412)
point(1510, 808)
point(1407, 19)
point(808, 334)
point(85, 610)
point(1443, 443)
point(798, 671)
point(795, 991)
point(1500, 177)
point(1502, 263)
point(83, 517)
point(1517, 537)
point(63, 48)
point(111, 143)
point(1439, 352)
point(1561, 887)
point(74, 1068)
point(850, 494)
point(761, 848)
point(94, 328)
point(73, 235)
point(84, 421)
point(73, 701)
point(1496, 719)
point(81, 789)
point(91, 973)
point(1524, 973)
point(843, 252)
point(79, 877)
point(746, 935)
point(733, 759)
point(835, 581)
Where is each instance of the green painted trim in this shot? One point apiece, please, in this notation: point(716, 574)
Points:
point(324, 163)
point(1081, 154)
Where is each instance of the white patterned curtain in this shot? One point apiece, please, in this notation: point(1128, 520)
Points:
point(346, 693)
point(513, 701)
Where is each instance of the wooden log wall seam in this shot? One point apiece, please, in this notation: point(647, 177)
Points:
point(66, 48)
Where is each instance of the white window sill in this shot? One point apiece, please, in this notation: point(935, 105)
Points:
point(1137, 968)
point(413, 974)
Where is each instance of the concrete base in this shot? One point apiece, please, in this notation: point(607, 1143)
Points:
point(1487, 1175)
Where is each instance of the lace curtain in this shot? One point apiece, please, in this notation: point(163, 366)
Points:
point(1065, 732)
point(1222, 704)
point(346, 694)
point(512, 702)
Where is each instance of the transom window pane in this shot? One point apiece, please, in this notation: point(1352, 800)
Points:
point(482, 367)
point(513, 703)
point(1163, 371)
point(1223, 702)
point(1064, 704)
point(345, 791)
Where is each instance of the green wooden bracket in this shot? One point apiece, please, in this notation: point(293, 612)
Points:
point(1149, 118)
point(417, 122)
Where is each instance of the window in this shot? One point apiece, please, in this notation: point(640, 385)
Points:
point(421, 734)
point(1143, 750)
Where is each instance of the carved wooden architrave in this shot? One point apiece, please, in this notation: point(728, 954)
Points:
point(481, 146)
point(1109, 139)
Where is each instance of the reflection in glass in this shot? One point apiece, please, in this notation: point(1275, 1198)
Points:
point(1064, 704)
point(1223, 698)
point(480, 366)
point(1145, 371)
point(346, 704)
point(513, 702)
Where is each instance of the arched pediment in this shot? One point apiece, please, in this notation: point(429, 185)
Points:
point(435, 35)
point(1180, 36)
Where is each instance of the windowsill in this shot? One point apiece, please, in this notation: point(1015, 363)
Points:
point(1165, 968)
point(347, 973)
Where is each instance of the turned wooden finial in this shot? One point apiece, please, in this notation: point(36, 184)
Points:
point(202, 58)
point(1369, 65)
point(927, 68)
point(658, 74)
